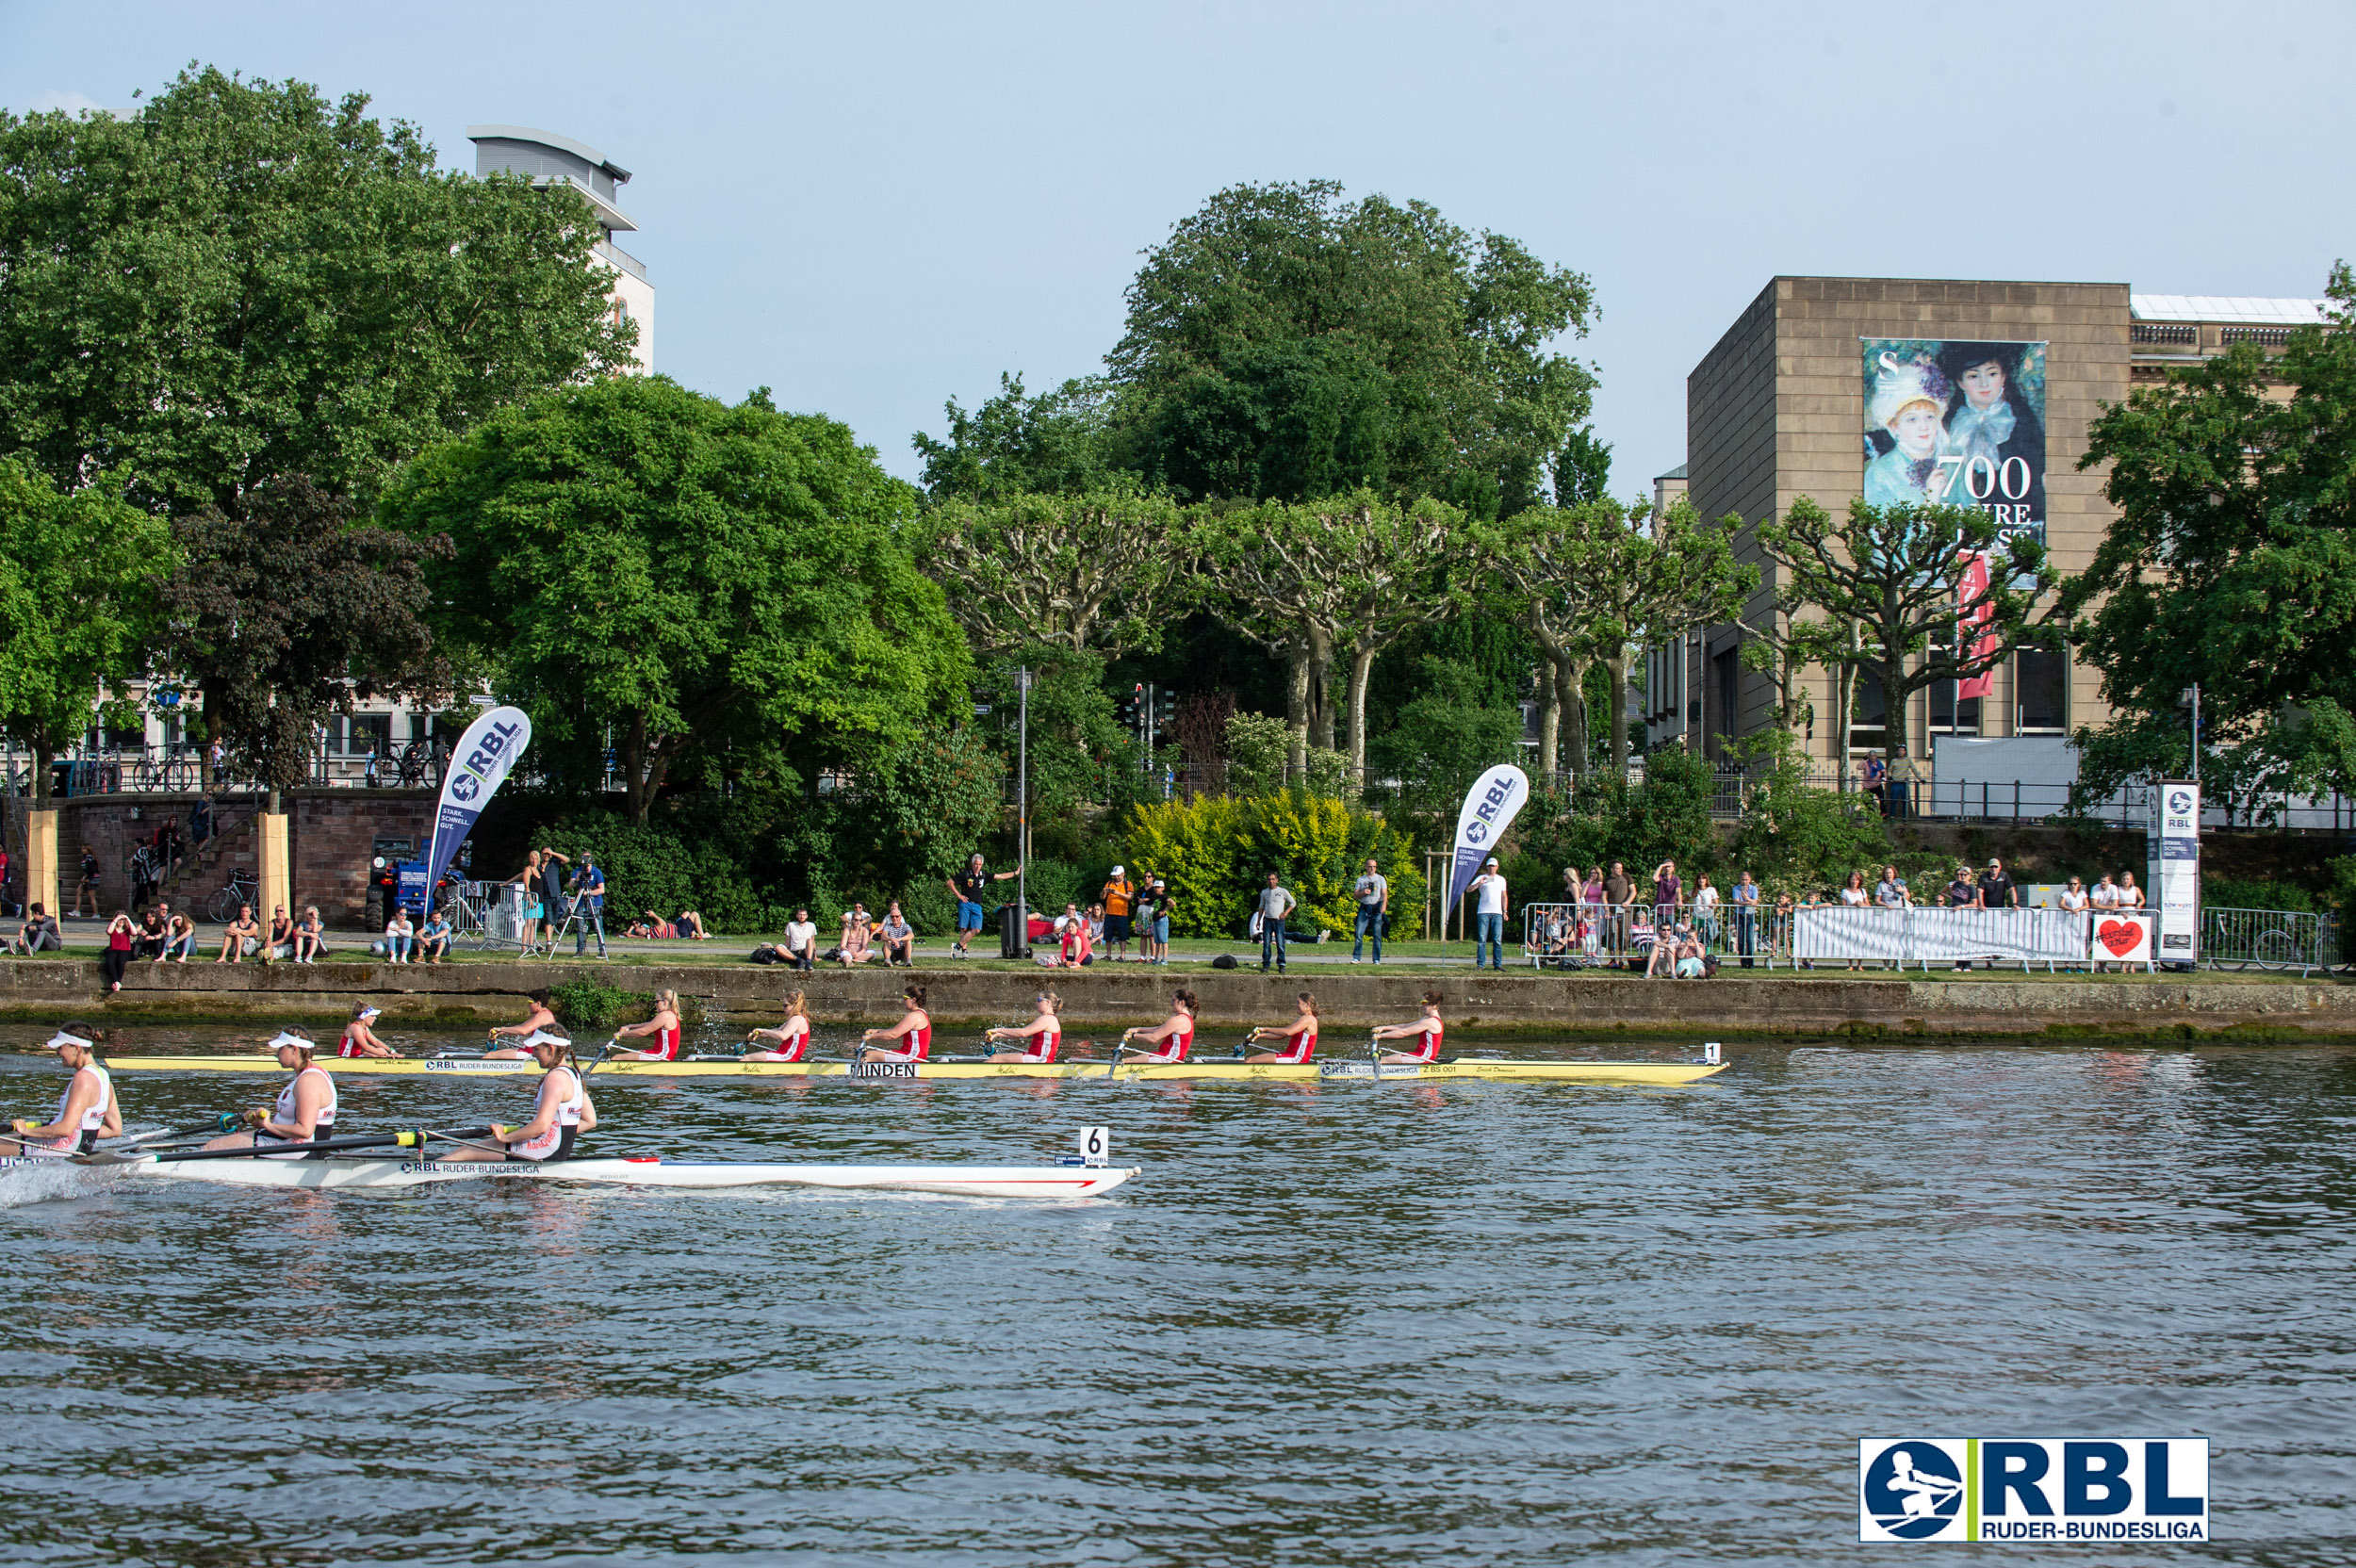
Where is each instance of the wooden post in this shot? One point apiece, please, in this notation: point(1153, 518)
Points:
point(276, 870)
point(40, 861)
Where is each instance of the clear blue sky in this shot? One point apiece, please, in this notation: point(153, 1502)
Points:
point(871, 208)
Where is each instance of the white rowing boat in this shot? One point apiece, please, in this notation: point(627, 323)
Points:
point(644, 1170)
point(1212, 1069)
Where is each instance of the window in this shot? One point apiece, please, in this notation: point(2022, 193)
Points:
point(360, 734)
point(1950, 717)
point(1869, 715)
point(1727, 672)
point(2040, 685)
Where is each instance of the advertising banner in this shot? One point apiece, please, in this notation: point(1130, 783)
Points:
point(486, 754)
point(1958, 423)
point(2176, 888)
point(1934, 934)
point(2045, 1491)
point(1496, 798)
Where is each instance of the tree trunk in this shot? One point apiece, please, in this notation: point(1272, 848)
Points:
point(1549, 716)
point(1361, 668)
point(1617, 664)
point(640, 789)
point(39, 745)
point(1570, 686)
point(1297, 707)
point(1321, 687)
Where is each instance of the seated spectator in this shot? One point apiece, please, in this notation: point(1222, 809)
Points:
point(801, 941)
point(310, 937)
point(899, 937)
point(1096, 926)
point(433, 939)
point(281, 942)
point(399, 934)
point(121, 932)
point(151, 940)
point(857, 933)
point(1075, 947)
point(39, 933)
point(242, 937)
point(179, 936)
point(691, 926)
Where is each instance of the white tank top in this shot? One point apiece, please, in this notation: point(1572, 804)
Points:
point(569, 1108)
point(285, 1116)
point(95, 1117)
point(567, 1115)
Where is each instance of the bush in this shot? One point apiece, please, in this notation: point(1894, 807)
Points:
point(1800, 840)
point(586, 1004)
point(2226, 892)
point(1259, 752)
point(1667, 817)
point(1216, 854)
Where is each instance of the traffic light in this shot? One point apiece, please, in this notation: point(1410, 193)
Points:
point(1164, 714)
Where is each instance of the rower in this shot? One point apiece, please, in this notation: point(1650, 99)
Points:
point(915, 1030)
point(305, 1109)
point(359, 1040)
point(663, 1026)
point(1300, 1035)
point(789, 1041)
point(1168, 1043)
point(1428, 1030)
point(540, 1017)
point(86, 1111)
point(560, 1111)
point(1041, 1036)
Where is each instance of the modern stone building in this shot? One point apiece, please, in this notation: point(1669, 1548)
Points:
point(1800, 397)
point(548, 159)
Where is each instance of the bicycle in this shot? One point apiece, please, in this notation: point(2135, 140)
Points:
point(422, 762)
point(244, 888)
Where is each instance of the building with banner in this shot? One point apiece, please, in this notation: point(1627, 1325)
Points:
point(1901, 390)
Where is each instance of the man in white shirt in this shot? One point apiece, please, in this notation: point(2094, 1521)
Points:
point(1275, 903)
point(1489, 910)
point(1373, 892)
point(801, 941)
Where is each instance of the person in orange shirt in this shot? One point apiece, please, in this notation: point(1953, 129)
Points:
point(1120, 897)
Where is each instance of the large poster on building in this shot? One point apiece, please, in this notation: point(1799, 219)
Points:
point(1958, 423)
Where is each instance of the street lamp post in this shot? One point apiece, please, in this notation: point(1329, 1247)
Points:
point(1021, 943)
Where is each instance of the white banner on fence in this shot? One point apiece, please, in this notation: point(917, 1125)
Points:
point(2176, 845)
point(1940, 936)
point(1496, 798)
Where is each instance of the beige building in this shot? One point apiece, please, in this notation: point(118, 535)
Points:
point(547, 159)
point(1790, 404)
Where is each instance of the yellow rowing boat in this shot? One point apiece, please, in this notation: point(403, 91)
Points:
point(1491, 1068)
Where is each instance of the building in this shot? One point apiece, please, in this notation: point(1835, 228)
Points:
point(547, 159)
point(1788, 404)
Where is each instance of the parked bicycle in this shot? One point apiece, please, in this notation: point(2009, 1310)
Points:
point(242, 888)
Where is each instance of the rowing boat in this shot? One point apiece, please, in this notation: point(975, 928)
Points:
point(1052, 1180)
point(1358, 1071)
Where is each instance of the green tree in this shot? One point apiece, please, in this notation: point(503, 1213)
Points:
point(80, 576)
point(1054, 443)
point(1284, 342)
point(2231, 564)
point(1653, 584)
point(292, 611)
point(246, 281)
point(701, 583)
point(1095, 569)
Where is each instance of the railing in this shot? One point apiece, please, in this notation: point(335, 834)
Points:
point(2268, 940)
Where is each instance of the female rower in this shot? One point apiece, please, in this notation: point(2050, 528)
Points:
point(86, 1111)
point(663, 1026)
point(1300, 1035)
point(540, 1017)
point(359, 1040)
point(561, 1112)
point(1172, 1041)
point(914, 1029)
point(1041, 1037)
point(305, 1107)
point(1428, 1031)
point(790, 1041)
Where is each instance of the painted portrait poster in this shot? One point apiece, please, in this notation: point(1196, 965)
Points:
point(1958, 423)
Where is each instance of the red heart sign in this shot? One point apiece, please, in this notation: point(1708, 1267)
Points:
point(2121, 935)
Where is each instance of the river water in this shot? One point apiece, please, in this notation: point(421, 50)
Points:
point(1329, 1323)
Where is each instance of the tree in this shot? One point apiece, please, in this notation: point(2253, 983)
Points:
point(295, 609)
point(1654, 585)
point(79, 608)
point(1903, 577)
point(1057, 443)
point(1075, 571)
point(245, 282)
point(2231, 564)
point(1542, 562)
point(1285, 343)
point(729, 587)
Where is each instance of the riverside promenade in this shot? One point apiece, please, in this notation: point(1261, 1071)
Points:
point(1734, 1007)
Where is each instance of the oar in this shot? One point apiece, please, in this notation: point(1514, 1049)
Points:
point(225, 1122)
point(318, 1146)
point(461, 1140)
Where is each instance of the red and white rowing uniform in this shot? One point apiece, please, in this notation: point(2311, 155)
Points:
point(1174, 1047)
point(82, 1136)
point(285, 1113)
point(557, 1142)
point(1429, 1049)
point(666, 1045)
point(347, 1046)
point(1042, 1047)
point(796, 1041)
point(920, 1043)
point(1301, 1042)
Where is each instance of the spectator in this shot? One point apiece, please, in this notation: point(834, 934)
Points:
point(1165, 905)
point(1779, 927)
point(1668, 893)
point(1096, 924)
point(550, 891)
point(1745, 917)
point(1705, 912)
point(434, 938)
point(1877, 781)
point(1275, 902)
point(1853, 896)
point(399, 934)
point(1590, 901)
point(201, 814)
point(241, 937)
point(2073, 900)
point(1373, 892)
point(179, 936)
point(534, 910)
point(899, 937)
point(171, 849)
point(144, 874)
point(1996, 889)
point(310, 937)
point(852, 947)
point(2129, 896)
point(88, 886)
point(589, 904)
point(1962, 893)
point(151, 943)
point(121, 933)
point(1117, 899)
point(1619, 892)
point(653, 927)
point(690, 927)
point(2103, 900)
point(1142, 921)
point(801, 941)
point(8, 906)
point(1902, 774)
point(1075, 945)
point(282, 936)
point(1490, 908)
point(969, 888)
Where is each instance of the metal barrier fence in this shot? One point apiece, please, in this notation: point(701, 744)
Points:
point(2268, 940)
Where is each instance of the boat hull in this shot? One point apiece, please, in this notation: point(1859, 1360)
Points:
point(963, 1181)
point(1657, 1073)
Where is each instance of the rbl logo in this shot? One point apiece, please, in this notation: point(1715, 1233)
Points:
point(2033, 1489)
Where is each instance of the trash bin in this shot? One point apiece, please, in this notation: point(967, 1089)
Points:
point(1011, 940)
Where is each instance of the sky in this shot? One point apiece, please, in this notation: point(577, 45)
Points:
point(873, 208)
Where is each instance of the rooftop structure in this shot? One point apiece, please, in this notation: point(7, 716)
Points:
point(547, 159)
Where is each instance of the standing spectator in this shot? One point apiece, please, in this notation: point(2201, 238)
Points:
point(1590, 904)
point(1490, 908)
point(1890, 892)
point(1165, 903)
point(281, 942)
point(310, 937)
point(1962, 893)
point(589, 904)
point(969, 887)
point(529, 880)
point(1998, 892)
point(144, 874)
point(1745, 917)
point(1902, 774)
point(434, 938)
point(88, 886)
point(1143, 918)
point(1276, 902)
point(899, 937)
point(1705, 912)
point(2103, 900)
point(201, 815)
point(1877, 781)
point(801, 941)
point(1118, 897)
point(1779, 928)
point(1373, 892)
point(2073, 900)
point(1853, 896)
point(8, 905)
point(120, 934)
point(171, 849)
point(1619, 892)
point(551, 891)
point(39, 933)
point(1668, 893)
point(242, 936)
point(2129, 896)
